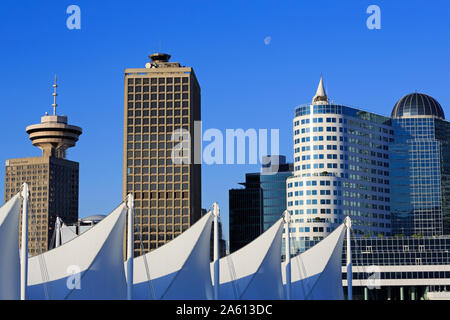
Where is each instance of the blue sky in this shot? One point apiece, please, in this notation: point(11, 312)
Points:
point(245, 82)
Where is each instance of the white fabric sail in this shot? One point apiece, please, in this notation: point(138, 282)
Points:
point(9, 249)
point(67, 234)
point(253, 272)
point(316, 273)
point(88, 267)
point(177, 270)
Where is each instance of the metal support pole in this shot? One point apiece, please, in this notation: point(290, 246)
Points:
point(216, 264)
point(58, 232)
point(402, 293)
point(130, 249)
point(24, 239)
point(287, 223)
point(348, 223)
point(366, 293)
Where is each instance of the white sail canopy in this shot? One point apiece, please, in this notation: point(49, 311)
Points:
point(253, 272)
point(67, 234)
point(179, 269)
point(88, 267)
point(91, 266)
point(9, 249)
point(316, 273)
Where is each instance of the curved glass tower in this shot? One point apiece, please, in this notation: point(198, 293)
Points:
point(341, 167)
point(420, 167)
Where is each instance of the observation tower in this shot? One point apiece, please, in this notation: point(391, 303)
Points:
point(54, 135)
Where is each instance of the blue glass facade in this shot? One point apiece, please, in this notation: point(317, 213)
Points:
point(245, 212)
point(408, 267)
point(399, 251)
point(256, 208)
point(273, 188)
point(344, 110)
point(400, 163)
point(443, 135)
point(419, 162)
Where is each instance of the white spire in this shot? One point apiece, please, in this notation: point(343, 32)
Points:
point(321, 96)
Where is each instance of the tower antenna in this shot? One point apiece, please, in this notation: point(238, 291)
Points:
point(54, 105)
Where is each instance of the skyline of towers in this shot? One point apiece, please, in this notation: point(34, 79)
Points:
point(53, 180)
point(391, 175)
point(342, 162)
point(160, 99)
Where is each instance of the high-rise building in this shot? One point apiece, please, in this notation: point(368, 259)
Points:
point(341, 168)
point(245, 214)
point(161, 99)
point(391, 176)
point(275, 171)
point(413, 263)
point(256, 208)
point(420, 167)
point(53, 180)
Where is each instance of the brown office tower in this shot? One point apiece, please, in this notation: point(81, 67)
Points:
point(52, 179)
point(160, 100)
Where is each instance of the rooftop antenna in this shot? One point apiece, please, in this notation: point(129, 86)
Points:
point(54, 105)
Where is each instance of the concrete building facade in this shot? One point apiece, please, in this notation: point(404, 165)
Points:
point(161, 99)
point(53, 180)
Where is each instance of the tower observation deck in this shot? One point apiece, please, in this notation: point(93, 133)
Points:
point(54, 135)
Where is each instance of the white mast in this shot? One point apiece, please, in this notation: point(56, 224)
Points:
point(348, 224)
point(24, 250)
point(287, 222)
point(130, 249)
point(216, 214)
point(54, 105)
point(58, 232)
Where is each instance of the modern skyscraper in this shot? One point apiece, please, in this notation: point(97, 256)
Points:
point(160, 99)
point(420, 167)
point(245, 214)
point(53, 179)
point(275, 171)
point(254, 209)
point(341, 168)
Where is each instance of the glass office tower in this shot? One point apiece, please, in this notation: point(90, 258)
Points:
point(245, 212)
point(341, 168)
point(273, 177)
point(256, 208)
point(420, 167)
